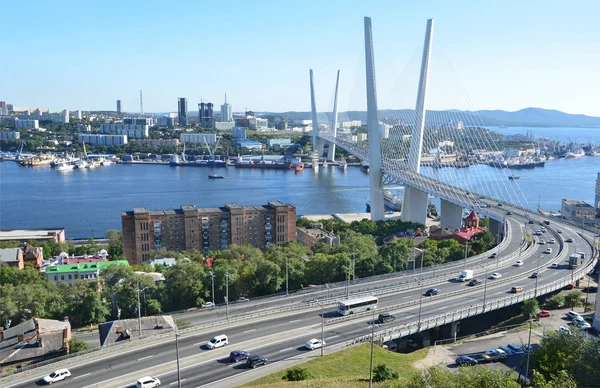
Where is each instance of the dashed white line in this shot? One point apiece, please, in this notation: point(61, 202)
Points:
point(333, 336)
point(248, 331)
point(144, 358)
point(199, 343)
point(285, 350)
point(78, 377)
point(295, 320)
point(175, 382)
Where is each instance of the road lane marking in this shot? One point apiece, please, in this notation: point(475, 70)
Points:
point(199, 343)
point(285, 350)
point(248, 331)
point(175, 382)
point(144, 358)
point(333, 336)
point(77, 377)
point(236, 375)
point(295, 320)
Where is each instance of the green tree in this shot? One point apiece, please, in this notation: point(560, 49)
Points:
point(573, 299)
point(383, 373)
point(531, 308)
point(556, 302)
point(77, 345)
point(115, 244)
point(396, 254)
point(186, 282)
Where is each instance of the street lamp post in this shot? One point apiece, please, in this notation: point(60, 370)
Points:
point(286, 277)
point(139, 307)
point(227, 295)
point(372, 350)
point(322, 303)
point(484, 285)
point(537, 274)
point(177, 353)
point(466, 252)
point(212, 280)
point(528, 352)
point(420, 300)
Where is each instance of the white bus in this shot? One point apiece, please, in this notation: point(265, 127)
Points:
point(357, 305)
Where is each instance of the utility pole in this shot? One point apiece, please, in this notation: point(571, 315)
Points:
point(372, 347)
point(286, 277)
point(139, 309)
point(227, 295)
point(420, 300)
point(212, 280)
point(484, 285)
point(466, 252)
point(538, 273)
point(528, 353)
point(177, 353)
point(348, 280)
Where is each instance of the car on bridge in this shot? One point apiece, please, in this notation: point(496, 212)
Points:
point(518, 263)
point(541, 242)
point(559, 230)
point(466, 360)
point(548, 250)
point(509, 213)
point(57, 375)
point(238, 355)
point(475, 282)
point(516, 289)
point(432, 292)
point(385, 317)
point(494, 255)
point(535, 275)
point(254, 361)
point(543, 313)
point(147, 382)
point(217, 341)
point(569, 240)
point(551, 241)
point(495, 275)
point(314, 344)
point(555, 266)
point(530, 222)
point(500, 205)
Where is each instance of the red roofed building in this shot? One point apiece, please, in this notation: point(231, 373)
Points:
point(209, 261)
point(82, 259)
point(461, 235)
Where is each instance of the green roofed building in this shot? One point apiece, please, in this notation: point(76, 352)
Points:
point(82, 271)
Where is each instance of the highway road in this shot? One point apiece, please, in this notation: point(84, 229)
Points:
point(281, 336)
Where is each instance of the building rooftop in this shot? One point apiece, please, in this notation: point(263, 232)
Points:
point(29, 234)
point(9, 255)
point(87, 267)
point(577, 203)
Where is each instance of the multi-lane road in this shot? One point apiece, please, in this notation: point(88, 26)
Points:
point(281, 336)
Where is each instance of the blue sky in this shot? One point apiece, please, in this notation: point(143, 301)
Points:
point(486, 55)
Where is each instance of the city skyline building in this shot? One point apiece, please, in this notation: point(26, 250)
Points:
point(182, 111)
point(118, 106)
point(205, 229)
point(226, 113)
point(205, 114)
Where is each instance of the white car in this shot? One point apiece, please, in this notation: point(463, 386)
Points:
point(518, 263)
point(217, 341)
point(496, 352)
point(551, 241)
point(242, 299)
point(57, 375)
point(495, 275)
point(573, 315)
point(559, 231)
point(208, 305)
point(581, 323)
point(541, 242)
point(314, 344)
point(548, 250)
point(564, 330)
point(555, 265)
point(147, 382)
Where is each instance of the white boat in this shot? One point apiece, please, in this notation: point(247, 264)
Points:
point(576, 153)
point(81, 164)
point(64, 167)
point(343, 165)
point(105, 162)
point(92, 164)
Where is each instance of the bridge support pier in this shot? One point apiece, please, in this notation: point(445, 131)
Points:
point(451, 215)
point(414, 206)
point(596, 323)
point(454, 329)
point(495, 228)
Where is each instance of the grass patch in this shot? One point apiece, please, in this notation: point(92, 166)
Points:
point(516, 320)
point(182, 324)
point(345, 369)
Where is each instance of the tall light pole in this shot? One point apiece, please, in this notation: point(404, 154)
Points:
point(227, 295)
point(322, 303)
point(484, 285)
point(139, 307)
point(466, 252)
point(287, 276)
point(372, 347)
point(212, 280)
point(538, 273)
point(528, 351)
point(420, 300)
point(177, 353)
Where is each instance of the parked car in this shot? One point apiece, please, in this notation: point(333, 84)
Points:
point(57, 375)
point(518, 263)
point(531, 348)
point(501, 353)
point(572, 315)
point(543, 313)
point(495, 275)
point(238, 355)
point(314, 344)
point(496, 353)
point(208, 305)
point(515, 349)
point(564, 330)
point(555, 265)
point(465, 360)
point(475, 282)
point(254, 361)
point(217, 342)
point(242, 299)
point(506, 350)
point(432, 291)
point(569, 286)
point(385, 317)
point(581, 323)
point(147, 382)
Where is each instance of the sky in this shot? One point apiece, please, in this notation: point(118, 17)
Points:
point(486, 55)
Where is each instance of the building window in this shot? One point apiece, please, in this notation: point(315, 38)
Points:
point(69, 277)
point(55, 277)
point(62, 277)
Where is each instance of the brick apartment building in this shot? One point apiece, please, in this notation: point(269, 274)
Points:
point(205, 229)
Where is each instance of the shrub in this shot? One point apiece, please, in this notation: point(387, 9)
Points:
point(556, 302)
point(383, 373)
point(296, 374)
point(78, 345)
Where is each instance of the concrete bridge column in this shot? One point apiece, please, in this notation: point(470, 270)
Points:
point(495, 228)
point(451, 215)
point(597, 315)
point(454, 329)
point(414, 206)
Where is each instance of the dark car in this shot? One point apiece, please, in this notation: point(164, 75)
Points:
point(466, 360)
point(535, 275)
point(500, 205)
point(475, 282)
point(238, 355)
point(530, 222)
point(385, 317)
point(569, 240)
point(432, 291)
point(493, 255)
point(254, 361)
point(509, 213)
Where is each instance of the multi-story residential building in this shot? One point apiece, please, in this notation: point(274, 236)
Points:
point(258, 124)
point(224, 125)
point(205, 229)
point(226, 114)
point(205, 114)
point(26, 123)
point(12, 256)
point(149, 121)
point(10, 135)
point(210, 138)
point(132, 131)
point(160, 142)
point(239, 133)
point(70, 273)
point(57, 118)
point(167, 121)
point(286, 142)
point(103, 140)
point(597, 193)
point(182, 111)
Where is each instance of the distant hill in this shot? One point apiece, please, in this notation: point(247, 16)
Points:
point(528, 117)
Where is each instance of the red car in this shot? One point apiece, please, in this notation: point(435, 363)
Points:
point(569, 287)
point(543, 313)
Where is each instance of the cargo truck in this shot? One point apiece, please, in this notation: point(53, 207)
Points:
point(574, 260)
point(465, 275)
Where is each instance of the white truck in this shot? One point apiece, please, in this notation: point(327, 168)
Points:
point(465, 275)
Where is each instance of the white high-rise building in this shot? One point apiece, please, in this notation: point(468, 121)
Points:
point(226, 114)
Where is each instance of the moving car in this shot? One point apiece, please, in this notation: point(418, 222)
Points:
point(238, 355)
point(495, 275)
point(541, 242)
point(530, 222)
point(555, 265)
point(535, 275)
point(515, 349)
point(493, 255)
point(516, 289)
point(573, 315)
point(569, 240)
point(551, 241)
point(254, 361)
point(543, 313)
point(208, 305)
point(500, 205)
point(242, 299)
point(559, 230)
point(217, 342)
point(475, 282)
point(148, 382)
point(385, 317)
point(518, 263)
point(548, 250)
point(543, 229)
point(432, 291)
point(465, 360)
point(314, 344)
point(57, 375)
point(509, 213)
